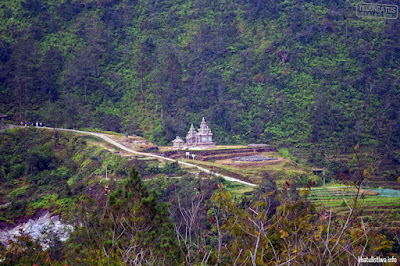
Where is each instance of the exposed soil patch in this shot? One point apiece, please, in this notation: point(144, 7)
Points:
point(254, 158)
point(207, 155)
point(222, 171)
point(252, 164)
point(135, 143)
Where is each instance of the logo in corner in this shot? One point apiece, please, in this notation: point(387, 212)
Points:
point(368, 10)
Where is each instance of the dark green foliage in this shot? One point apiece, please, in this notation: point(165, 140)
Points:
point(40, 160)
point(40, 172)
point(168, 169)
point(130, 220)
point(24, 250)
point(16, 171)
point(267, 189)
point(135, 183)
point(179, 221)
point(279, 72)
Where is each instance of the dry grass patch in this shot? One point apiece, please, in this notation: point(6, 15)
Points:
point(218, 147)
point(244, 164)
point(135, 143)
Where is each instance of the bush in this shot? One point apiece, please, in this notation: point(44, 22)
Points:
point(18, 192)
point(17, 170)
point(170, 168)
point(122, 172)
point(45, 202)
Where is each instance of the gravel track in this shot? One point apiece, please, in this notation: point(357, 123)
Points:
point(122, 147)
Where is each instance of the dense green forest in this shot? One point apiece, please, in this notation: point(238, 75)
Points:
point(42, 170)
point(123, 220)
point(283, 72)
point(65, 174)
point(308, 76)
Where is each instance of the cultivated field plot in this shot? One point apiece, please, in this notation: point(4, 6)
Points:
point(251, 171)
point(135, 143)
point(254, 164)
point(218, 147)
point(371, 206)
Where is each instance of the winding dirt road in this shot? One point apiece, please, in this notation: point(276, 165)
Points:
point(122, 147)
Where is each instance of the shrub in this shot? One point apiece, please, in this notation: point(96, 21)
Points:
point(18, 192)
point(44, 203)
point(17, 170)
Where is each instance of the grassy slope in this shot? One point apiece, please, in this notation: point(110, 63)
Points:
point(76, 163)
point(81, 161)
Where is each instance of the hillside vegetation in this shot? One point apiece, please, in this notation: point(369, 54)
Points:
point(43, 170)
point(309, 77)
point(286, 72)
point(174, 218)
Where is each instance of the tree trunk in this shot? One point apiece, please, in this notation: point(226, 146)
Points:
point(162, 115)
point(50, 95)
point(85, 89)
point(98, 66)
point(55, 134)
point(141, 84)
point(20, 100)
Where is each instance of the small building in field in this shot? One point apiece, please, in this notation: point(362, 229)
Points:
point(201, 139)
point(178, 143)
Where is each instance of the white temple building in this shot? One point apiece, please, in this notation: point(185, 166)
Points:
point(201, 139)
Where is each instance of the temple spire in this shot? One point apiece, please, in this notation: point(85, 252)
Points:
point(197, 139)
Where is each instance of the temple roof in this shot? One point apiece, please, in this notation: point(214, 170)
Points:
point(204, 129)
point(178, 139)
point(192, 131)
point(201, 138)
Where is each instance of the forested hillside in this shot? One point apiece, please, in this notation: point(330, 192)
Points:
point(282, 72)
point(42, 170)
point(171, 216)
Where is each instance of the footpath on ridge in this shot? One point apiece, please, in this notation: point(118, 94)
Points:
point(122, 147)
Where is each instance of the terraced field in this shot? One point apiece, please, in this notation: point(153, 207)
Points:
point(371, 207)
point(281, 169)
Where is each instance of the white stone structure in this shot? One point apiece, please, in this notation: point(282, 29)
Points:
point(178, 143)
point(201, 139)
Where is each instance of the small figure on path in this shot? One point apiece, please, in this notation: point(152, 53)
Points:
point(26, 124)
point(126, 134)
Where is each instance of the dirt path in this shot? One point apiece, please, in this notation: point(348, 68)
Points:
point(122, 147)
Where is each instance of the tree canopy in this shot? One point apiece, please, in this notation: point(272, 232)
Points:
point(291, 72)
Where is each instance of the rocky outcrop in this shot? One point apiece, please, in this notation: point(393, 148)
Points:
point(38, 228)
